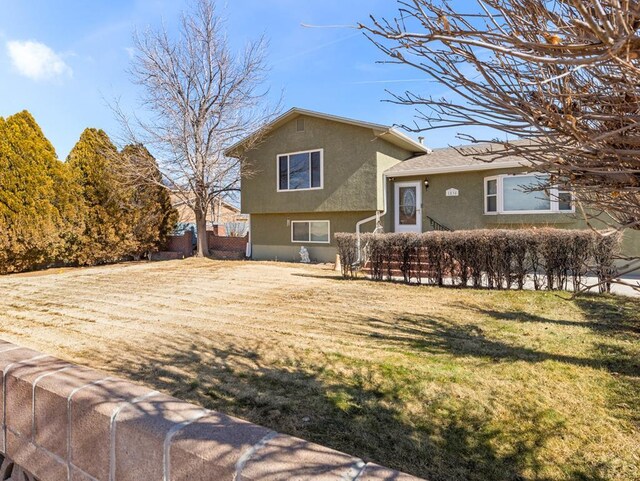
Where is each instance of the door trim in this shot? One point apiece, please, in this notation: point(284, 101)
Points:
point(407, 228)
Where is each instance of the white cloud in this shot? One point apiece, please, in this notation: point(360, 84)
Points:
point(37, 61)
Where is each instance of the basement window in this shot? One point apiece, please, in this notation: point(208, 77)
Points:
point(300, 171)
point(515, 194)
point(310, 231)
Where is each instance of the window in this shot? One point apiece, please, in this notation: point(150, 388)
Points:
point(314, 231)
point(300, 171)
point(515, 197)
point(510, 194)
point(491, 195)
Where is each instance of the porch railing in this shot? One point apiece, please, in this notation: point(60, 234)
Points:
point(435, 225)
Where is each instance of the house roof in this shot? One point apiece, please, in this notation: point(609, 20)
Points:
point(385, 132)
point(455, 159)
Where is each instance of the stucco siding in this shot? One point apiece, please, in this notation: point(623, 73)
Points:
point(271, 234)
point(388, 156)
point(466, 211)
point(351, 168)
point(288, 253)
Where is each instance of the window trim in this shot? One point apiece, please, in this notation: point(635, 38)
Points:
point(486, 195)
point(554, 198)
point(289, 154)
point(298, 221)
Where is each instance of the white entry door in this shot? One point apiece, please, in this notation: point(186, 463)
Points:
point(408, 204)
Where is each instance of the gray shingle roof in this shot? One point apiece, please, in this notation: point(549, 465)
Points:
point(455, 159)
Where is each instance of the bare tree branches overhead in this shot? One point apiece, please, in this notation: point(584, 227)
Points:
point(564, 73)
point(198, 98)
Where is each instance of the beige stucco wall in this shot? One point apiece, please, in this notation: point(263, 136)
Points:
point(271, 234)
point(387, 157)
point(466, 211)
point(354, 159)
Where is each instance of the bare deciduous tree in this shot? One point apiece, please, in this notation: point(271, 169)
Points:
point(198, 98)
point(565, 74)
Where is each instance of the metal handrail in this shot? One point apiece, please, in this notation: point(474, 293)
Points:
point(435, 225)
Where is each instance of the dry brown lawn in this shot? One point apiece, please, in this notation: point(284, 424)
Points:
point(442, 383)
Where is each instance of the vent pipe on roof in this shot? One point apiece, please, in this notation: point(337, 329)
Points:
point(421, 140)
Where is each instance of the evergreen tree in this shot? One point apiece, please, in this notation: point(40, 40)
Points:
point(125, 215)
point(107, 236)
point(38, 201)
point(86, 211)
point(153, 217)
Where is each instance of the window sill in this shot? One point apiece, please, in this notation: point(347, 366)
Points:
point(532, 212)
point(299, 190)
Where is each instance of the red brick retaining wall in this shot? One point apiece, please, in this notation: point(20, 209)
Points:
point(230, 244)
point(181, 243)
point(65, 422)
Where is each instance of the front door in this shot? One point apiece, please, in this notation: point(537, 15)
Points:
point(408, 204)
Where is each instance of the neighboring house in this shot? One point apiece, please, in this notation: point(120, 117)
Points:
point(315, 174)
point(222, 215)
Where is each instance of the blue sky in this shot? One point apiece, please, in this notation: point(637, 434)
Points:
point(64, 60)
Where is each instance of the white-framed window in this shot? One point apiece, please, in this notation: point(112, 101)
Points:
point(300, 170)
point(513, 194)
point(310, 231)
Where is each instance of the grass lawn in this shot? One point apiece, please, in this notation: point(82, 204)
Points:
point(441, 383)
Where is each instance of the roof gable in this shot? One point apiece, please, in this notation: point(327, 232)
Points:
point(385, 132)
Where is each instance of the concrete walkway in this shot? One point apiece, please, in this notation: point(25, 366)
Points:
point(629, 286)
point(620, 289)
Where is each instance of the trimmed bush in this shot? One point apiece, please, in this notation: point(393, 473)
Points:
point(493, 258)
point(348, 252)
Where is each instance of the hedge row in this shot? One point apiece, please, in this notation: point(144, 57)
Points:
point(493, 258)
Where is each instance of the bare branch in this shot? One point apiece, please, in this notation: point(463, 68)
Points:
point(199, 97)
point(565, 74)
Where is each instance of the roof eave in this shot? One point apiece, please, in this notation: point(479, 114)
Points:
point(461, 168)
point(397, 138)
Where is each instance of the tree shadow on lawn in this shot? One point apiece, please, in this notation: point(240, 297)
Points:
point(453, 440)
point(437, 334)
point(615, 315)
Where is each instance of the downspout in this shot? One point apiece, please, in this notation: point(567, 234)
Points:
point(377, 216)
point(248, 249)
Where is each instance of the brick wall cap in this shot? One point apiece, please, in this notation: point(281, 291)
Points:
point(375, 472)
point(84, 425)
point(286, 457)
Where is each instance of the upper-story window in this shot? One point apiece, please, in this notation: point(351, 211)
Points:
point(519, 194)
point(300, 170)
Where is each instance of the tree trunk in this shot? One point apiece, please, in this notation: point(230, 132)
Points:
point(201, 232)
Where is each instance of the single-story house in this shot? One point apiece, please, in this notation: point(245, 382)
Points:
point(314, 174)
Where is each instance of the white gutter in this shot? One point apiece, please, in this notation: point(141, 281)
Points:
point(377, 215)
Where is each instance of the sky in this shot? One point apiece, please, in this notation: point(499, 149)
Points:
point(66, 61)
